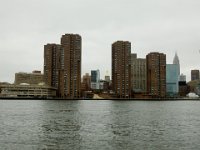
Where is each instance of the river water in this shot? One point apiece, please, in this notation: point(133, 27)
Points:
point(115, 125)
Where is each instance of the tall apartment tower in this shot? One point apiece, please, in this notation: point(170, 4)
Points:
point(71, 73)
point(62, 66)
point(121, 68)
point(194, 75)
point(156, 74)
point(52, 64)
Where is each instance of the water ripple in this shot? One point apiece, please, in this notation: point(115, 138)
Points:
point(99, 125)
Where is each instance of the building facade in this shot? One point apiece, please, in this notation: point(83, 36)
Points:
point(172, 79)
point(156, 74)
point(121, 68)
point(52, 65)
point(138, 74)
point(95, 79)
point(31, 78)
point(62, 66)
point(27, 90)
point(71, 74)
point(194, 75)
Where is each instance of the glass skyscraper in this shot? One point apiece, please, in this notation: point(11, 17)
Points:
point(172, 78)
point(95, 79)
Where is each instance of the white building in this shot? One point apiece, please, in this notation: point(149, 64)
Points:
point(26, 90)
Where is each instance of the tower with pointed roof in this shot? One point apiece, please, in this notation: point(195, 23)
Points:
point(172, 77)
point(176, 61)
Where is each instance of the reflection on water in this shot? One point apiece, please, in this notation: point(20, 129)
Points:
point(99, 125)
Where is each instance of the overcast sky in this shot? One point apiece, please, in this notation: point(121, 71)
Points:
point(150, 25)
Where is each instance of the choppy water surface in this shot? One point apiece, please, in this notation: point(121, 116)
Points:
point(99, 125)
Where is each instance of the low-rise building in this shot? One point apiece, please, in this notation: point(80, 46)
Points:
point(27, 90)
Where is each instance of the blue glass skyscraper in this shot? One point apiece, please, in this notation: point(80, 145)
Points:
point(172, 77)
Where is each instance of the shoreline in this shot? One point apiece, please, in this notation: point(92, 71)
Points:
point(116, 99)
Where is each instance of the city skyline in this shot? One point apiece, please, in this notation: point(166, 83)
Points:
point(166, 27)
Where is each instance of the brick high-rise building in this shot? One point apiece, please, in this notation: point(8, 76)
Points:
point(156, 74)
point(194, 75)
point(121, 68)
point(52, 65)
point(72, 65)
point(62, 66)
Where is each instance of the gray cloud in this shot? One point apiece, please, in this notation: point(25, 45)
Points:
point(153, 25)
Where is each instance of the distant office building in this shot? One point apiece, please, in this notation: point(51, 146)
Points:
point(31, 78)
point(172, 79)
point(173, 76)
point(121, 68)
point(107, 79)
point(176, 62)
point(156, 74)
point(108, 82)
point(194, 75)
point(182, 77)
point(95, 79)
point(138, 73)
point(86, 82)
point(62, 66)
point(104, 85)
